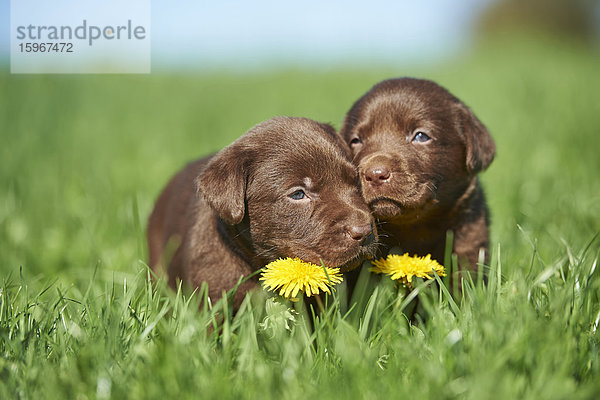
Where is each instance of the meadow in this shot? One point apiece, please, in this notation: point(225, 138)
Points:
point(82, 159)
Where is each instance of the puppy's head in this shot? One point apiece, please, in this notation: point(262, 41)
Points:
point(417, 147)
point(293, 181)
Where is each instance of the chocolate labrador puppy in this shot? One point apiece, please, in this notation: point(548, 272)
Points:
point(419, 149)
point(284, 189)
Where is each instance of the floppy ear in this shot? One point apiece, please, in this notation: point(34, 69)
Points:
point(478, 141)
point(223, 183)
point(337, 139)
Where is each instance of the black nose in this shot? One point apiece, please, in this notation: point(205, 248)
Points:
point(377, 175)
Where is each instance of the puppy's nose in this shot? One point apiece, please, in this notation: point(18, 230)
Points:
point(377, 175)
point(360, 232)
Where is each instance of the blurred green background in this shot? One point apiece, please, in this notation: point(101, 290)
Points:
point(83, 157)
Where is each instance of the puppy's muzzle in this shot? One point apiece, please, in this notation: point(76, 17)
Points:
point(377, 175)
point(364, 234)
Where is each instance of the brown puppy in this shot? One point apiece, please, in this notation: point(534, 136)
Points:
point(284, 189)
point(419, 149)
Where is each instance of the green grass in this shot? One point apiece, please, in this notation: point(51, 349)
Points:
point(82, 159)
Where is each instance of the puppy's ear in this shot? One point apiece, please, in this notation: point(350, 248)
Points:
point(223, 183)
point(478, 141)
point(337, 139)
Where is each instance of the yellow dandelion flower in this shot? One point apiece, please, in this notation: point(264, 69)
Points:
point(404, 267)
point(292, 275)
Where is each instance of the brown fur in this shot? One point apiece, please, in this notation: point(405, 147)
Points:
point(421, 190)
point(228, 215)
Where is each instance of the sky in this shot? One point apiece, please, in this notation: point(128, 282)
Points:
point(243, 34)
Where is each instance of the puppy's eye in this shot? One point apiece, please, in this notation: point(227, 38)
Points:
point(355, 142)
point(421, 137)
point(298, 195)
